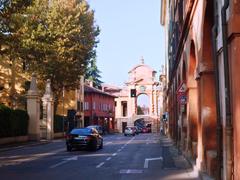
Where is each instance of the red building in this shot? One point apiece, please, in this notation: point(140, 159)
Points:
point(99, 108)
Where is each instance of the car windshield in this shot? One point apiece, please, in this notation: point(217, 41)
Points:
point(96, 127)
point(83, 131)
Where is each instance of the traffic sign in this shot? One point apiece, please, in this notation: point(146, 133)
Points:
point(182, 99)
point(182, 88)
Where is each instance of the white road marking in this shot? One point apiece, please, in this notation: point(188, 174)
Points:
point(131, 171)
point(114, 154)
point(74, 158)
point(58, 164)
point(150, 159)
point(108, 159)
point(65, 160)
point(108, 143)
point(98, 166)
point(119, 150)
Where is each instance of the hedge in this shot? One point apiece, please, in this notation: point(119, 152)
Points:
point(13, 122)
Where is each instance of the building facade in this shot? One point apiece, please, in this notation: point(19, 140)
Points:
point(142, 81)
point(203, 45)
point(99, 109)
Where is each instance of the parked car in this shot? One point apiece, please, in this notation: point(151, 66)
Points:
point(144, 130)
point(129, 131)
point(137, 130)
point(149, 127)
point(98, 128)
point(84, 138)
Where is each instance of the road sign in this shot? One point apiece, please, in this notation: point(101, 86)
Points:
point(182, 88)
point(182, 99)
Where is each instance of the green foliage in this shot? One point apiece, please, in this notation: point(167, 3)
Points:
point(59, 40)
point(5, 113)
point(13, 122)
point(139, 110)
point(11, 18)
point(93, 74)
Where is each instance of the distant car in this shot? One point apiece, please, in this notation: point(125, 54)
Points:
point(84, 138)
point(98, 128)
point(138, 130)
point(129, 131)
point(144, 130)
point(149, 128)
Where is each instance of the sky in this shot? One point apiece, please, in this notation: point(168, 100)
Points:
point(130, 29)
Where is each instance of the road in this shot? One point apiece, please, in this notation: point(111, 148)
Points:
point(144, 156)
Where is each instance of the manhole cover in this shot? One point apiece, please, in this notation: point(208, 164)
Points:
point(131, 171)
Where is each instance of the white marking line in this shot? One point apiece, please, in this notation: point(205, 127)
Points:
point(114, 154)
point(65, 160)
point(58, 164)
point(150, 159)
point(119, 150)
point(107, 143)
point(131, 171)
point(98, 166)
point(108, 159)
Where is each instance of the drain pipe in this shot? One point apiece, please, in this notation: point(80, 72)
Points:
point(229, 127)
point(216, 72)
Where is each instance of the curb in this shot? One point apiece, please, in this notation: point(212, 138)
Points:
point(28, 144)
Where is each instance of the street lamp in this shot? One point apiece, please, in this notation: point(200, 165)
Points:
point(63, 94)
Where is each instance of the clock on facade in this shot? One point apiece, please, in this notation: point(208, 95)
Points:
point(142, 89)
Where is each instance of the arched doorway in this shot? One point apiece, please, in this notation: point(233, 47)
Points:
point(143, 104)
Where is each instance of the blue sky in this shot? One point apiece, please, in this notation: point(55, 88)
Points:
point(130, 29)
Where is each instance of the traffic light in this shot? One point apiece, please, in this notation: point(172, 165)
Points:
point(133, 93)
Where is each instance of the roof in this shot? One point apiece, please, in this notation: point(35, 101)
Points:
point(89, 89)
point(147, 66)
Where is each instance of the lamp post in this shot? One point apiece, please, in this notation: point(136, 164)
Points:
point(63, 94)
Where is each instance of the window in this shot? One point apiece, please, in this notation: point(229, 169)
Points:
point(94, 105)
point(86, 105)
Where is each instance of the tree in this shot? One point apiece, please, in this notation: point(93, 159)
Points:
point(11, 16)
point(59, 40)
point(139, 110)
point(93, 74)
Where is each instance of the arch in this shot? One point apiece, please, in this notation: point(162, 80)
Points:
point(143, 104)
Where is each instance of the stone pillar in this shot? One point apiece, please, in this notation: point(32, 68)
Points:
point(48, 111)
point(192, 117)
point(33, 108)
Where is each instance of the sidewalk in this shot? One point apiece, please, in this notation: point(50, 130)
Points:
point(181, 162)
point(14, 146)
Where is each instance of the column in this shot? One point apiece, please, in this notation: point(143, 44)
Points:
point(48, 111)
point(33, 108)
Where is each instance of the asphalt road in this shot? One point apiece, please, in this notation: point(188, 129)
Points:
point(122, 158)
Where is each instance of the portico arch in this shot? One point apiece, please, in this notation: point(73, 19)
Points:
point(143, 104)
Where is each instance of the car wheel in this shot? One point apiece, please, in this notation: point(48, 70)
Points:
point(125, 135)
point(69, 148)
point(94, 145)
